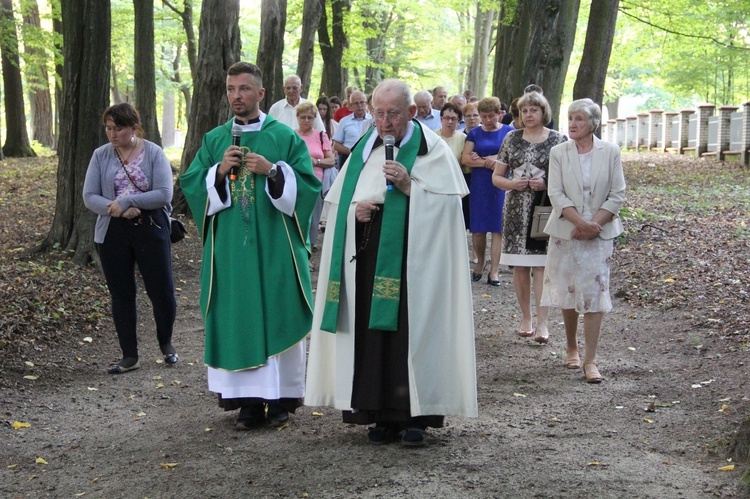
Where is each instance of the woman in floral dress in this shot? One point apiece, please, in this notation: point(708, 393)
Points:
point(521, 170)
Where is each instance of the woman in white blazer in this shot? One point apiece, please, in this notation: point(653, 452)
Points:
point(587, 189)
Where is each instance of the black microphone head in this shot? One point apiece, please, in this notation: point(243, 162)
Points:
point(389, 140)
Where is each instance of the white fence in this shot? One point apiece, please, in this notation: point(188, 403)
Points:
point(696, 132)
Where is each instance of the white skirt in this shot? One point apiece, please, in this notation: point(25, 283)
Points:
point(282, 377)
point(577, 275)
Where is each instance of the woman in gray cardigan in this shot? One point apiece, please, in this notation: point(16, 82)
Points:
point(129, 186)
point(587, 190)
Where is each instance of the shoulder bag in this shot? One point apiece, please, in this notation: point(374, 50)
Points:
point(539, 218)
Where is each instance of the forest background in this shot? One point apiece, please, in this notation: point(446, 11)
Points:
point(666, 55)
point(65, 61)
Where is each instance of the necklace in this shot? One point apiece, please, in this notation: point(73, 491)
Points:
point(126, 160)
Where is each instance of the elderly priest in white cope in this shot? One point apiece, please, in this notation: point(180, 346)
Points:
point(393, 333)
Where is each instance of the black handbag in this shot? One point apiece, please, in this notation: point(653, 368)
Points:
point(539, 218)
point(177, 230)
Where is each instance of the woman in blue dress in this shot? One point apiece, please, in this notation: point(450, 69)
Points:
point(486, 201)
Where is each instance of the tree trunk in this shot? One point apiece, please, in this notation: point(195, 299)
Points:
point(186, 16)
point(335, 77)
point(479, 66)
point(310, 23)
point(219, 48)
point(118, 96)
point(167, 118)
point(58, 29)
point(597, 48)
point(542, 32)
point(145, 69)
point(613, 108)
point(376, 22)
point(38, 80)
point(17, 143)
point(86, 34)
point(271, 50)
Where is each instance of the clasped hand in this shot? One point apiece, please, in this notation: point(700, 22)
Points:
point(587, 230)
point(255, 163)
point(115, 210)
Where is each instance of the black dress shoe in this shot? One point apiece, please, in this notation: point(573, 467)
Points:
point(277, 415)
point(171, 359)
point(476, 277)
point(492, 282)
point(380, 434)
point(251, 417)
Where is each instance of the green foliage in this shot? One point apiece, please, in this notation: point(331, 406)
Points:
point(690, 51)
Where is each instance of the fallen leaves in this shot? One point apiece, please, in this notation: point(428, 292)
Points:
point(17, 425)
point(168, 466)
point(681, 251)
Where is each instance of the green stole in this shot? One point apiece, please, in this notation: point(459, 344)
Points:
point(387, 287)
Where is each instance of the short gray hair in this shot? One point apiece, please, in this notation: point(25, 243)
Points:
point(399, 86)
point(423, 95)
point(589, 108)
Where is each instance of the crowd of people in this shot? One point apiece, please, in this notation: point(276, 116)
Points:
point(390, 176)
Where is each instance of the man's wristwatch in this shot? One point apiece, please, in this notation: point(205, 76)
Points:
point(272, 171)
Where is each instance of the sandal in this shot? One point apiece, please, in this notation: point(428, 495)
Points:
point(542, 340)
point(592, 373)
point(572, 360)
point(125, 365)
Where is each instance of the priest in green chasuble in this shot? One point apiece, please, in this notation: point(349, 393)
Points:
point(252, 205)
point(392, 342)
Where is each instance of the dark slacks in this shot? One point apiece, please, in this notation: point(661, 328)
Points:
point(147, 244)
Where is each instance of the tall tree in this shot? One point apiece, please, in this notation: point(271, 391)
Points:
point(58, 37)
point(600, 34)
point(310, 22)
point(476, 79)
point(378, 18)
point(271, 50)
point(37, 76)
point(534, 42)
point(335, 77)
point(191, 44)
point(17, 138)
point(86, 39)
point(145, 68)
point(219, 48)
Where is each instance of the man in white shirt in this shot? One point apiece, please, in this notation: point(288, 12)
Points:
point(284, 110)
point(430, 117)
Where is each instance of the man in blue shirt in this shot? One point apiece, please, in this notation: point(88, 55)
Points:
point(349, 127)
point(430, 117)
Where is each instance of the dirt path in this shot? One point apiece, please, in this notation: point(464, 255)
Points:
point(542, 431)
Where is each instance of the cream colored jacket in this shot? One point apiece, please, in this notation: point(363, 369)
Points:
point(565, 186)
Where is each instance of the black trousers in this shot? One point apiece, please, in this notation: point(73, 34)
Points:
point(144, 242)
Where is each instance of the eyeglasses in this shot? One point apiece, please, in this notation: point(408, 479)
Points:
point(305, 118)
point(391, 115)
point(450, 118)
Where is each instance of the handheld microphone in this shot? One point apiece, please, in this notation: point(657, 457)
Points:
point(389, 141)
point(236, 135)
